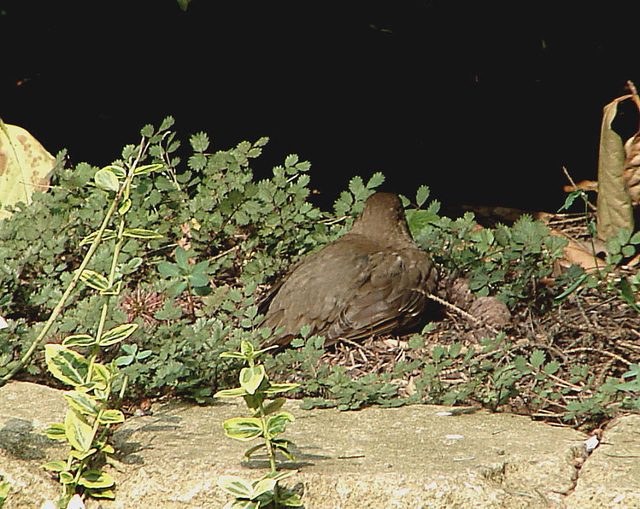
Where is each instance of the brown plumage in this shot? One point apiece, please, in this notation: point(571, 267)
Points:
point(372, 280)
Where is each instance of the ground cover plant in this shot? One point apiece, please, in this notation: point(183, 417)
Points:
point(568, 352)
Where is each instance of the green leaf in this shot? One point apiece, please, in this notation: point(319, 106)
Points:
point(627, 294)
point(82, 402)
point(249, 452)
point(111, 416)
point(236, 486)
point(100, 377)
point(251, 378)
point(141, 233)
point(118, 171)
point(66, 365)
point(94, 280)
point(571, 198)
point(168, 269)
point(55, 466)
point(376, 180)
point(79, 340)
point(101, 493)
point(106, 235)
point(107, 180)
point(537, 358)
point(230, 393)
point(551, 367)
point(277, 424)
point(117, 334)
point(246, 348)
point(199, 279)
point(147, 131)
point(78, 431)
point(199, 142)
point(261, 487)
point(273, 406)
point(182, 259)
point(56, 431)
point(147, 168)
point(96, 480)
point(124, 206)
point(421, 195)
point(278, 388)
point(66, 477)
point(243, 428)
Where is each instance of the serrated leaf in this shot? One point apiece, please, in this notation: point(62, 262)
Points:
point(537, 358)
point(243, 428)
point(376, 180)
point(551, 367)
point(169, 269)
point(78, 431)
point(421, 195)
point(166, 123)
point(66, 365)
point(117, 334)
point(107, 180)
point(199, 142)
point(147, 131)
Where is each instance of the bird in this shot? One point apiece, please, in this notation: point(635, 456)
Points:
point(372, 280)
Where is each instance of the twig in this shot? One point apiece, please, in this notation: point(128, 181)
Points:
point(462, 312)
point(605, 352)
point(575, 187)
point(634, 94)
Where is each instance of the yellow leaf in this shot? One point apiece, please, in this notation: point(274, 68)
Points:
point(24, 166)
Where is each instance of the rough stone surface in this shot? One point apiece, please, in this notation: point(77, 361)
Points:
point(408, 457)
point(611, 475)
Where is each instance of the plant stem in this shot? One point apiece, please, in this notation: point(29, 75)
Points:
point(76, 277)
point(63, 300)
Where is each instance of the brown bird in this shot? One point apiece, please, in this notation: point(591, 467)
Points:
point(372, 280)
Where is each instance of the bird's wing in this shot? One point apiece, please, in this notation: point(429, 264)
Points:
point(392, 296)
point(352, 291)
point(316, 289)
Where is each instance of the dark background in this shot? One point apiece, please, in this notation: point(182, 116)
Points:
point(482, 101)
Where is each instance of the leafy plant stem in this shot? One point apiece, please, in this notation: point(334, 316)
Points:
point(76, 277)
point(63, 300)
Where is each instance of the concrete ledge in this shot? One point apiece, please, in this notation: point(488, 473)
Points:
point(407, 457)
